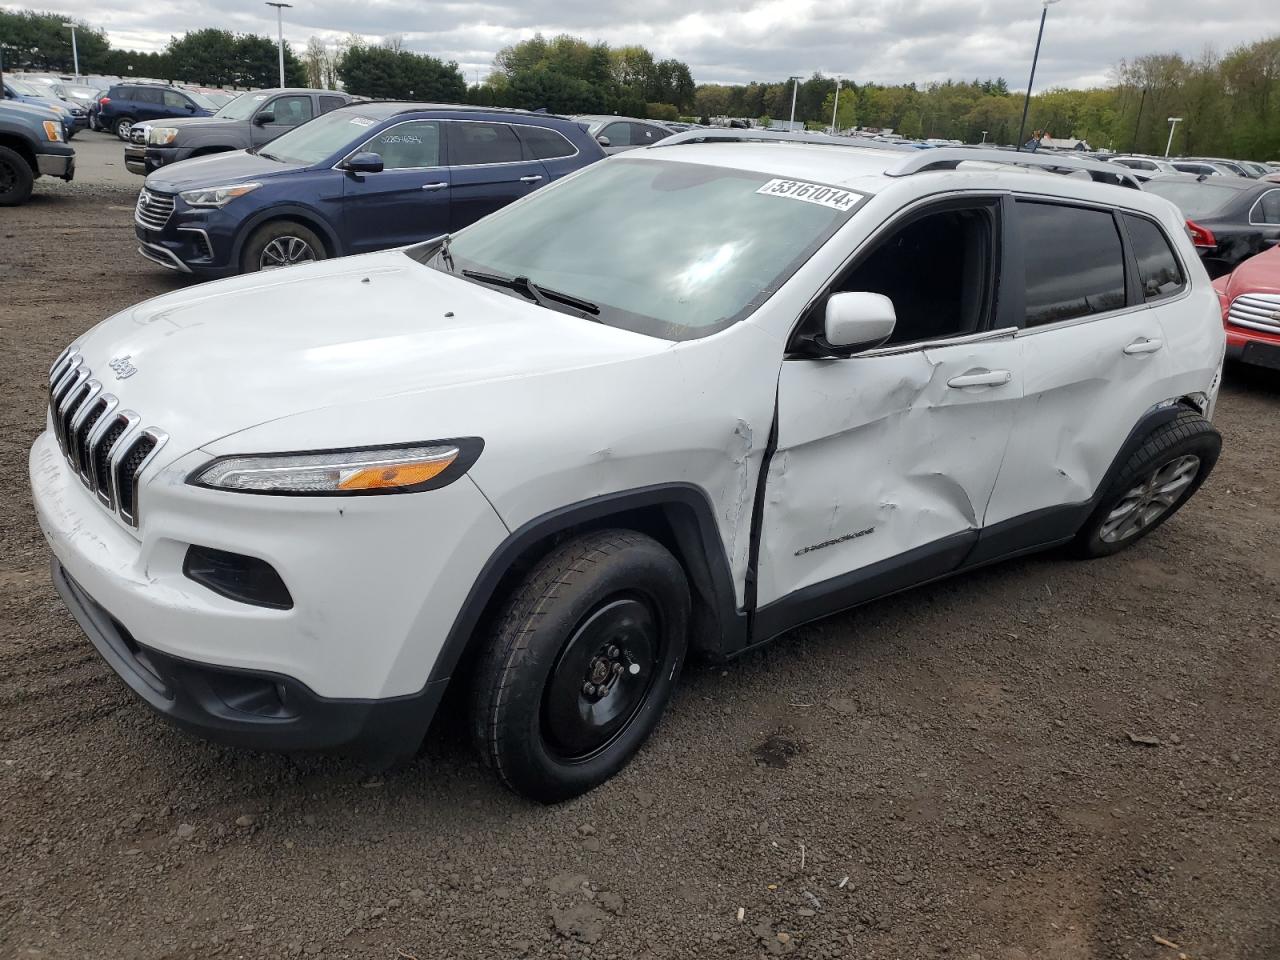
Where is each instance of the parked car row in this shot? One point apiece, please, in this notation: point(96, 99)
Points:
point(72, 116)
point(1230, 219)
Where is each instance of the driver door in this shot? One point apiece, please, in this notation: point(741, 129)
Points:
point(282, 115)
point(886, 460)
point(409, 200)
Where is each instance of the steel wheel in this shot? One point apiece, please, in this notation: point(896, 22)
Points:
point(601, 678)
point(285, 252)
point(1149, 500)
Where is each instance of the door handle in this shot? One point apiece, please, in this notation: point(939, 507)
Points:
point(1143, 346)
point(989, 378)
point(531, 179)
point(434, 186)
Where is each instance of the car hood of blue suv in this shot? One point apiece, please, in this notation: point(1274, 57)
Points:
point(216, 169)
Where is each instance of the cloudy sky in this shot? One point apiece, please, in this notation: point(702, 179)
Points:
point(734, 41)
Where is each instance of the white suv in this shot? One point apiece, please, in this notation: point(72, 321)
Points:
point(679, 402)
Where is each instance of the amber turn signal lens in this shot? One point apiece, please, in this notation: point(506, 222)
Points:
point(398, 475)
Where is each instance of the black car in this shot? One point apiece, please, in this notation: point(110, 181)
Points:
point(250, 120)
point(1230, 218)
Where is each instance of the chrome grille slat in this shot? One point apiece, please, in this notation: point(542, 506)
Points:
point(1257, 311)
point(153, 210)
point(101, 443)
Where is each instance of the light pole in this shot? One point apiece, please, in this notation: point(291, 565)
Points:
point(75, 54)
point(835, 107)
point(1026, 104)
point(795, 86)
point(280, 8)
point(984, 137)
point(1173, 125)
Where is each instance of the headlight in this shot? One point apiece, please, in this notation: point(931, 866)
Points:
point(162, 136)
point(53, 131)
point(217, 196)
point(365, 470)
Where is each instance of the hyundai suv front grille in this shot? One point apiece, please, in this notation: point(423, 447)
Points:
point(102, 443)
point(153, 210)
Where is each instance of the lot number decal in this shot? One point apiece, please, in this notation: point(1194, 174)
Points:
point(832, 197)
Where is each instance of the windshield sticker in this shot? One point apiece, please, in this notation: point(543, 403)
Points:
point(831, 197)
point(261, 96)
point(362, 121)
point(400, 138)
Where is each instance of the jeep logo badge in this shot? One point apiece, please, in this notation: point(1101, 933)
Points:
point(123, 368)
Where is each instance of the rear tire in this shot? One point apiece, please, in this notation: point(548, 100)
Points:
point(16, 178)
point(1154, 483)
point(582, 661)
point(281, 243)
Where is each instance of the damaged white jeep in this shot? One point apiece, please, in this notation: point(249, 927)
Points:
point(677, 403)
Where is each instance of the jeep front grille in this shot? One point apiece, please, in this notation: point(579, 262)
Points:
point(153, 210)
point(102, 443)
point(1258, 311)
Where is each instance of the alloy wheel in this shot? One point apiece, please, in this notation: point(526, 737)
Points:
point(285, 252)
point(1150, 499)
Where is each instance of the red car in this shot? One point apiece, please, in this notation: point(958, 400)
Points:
point(1250, 297)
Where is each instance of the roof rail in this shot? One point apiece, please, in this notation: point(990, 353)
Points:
point(949, 158)
point(738, 135)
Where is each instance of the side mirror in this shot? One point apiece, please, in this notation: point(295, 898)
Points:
point(263, 118)
point(364, 163)
point(190, 108)
point(603, 140)
point(856, 322)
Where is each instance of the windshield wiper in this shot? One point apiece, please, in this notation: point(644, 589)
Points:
point(532, 291)
point(269, 156)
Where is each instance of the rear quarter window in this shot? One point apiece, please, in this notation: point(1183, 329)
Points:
point(1158, 267)
point(545, 144)
point(1074, 262)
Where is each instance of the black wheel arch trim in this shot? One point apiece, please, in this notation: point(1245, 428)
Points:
point(691, 517)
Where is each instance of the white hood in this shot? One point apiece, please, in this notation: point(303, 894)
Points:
point(222, 357)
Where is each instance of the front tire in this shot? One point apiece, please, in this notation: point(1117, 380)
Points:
point(122, 128)
point(16, 178)
point(1152, 486)
point(281, 243)
point(582, 661)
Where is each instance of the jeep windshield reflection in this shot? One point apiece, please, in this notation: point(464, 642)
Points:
point(671, 250)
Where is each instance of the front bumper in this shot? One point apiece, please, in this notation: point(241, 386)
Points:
point(254, 709)
point(135, 159)
point(197, 241)
point(60, 163)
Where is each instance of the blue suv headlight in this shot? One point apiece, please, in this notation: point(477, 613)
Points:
point(217, 196)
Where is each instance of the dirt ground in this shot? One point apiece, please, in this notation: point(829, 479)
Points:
point(948, 773)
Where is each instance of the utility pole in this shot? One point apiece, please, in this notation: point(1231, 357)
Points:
point(835, 107)
point(984, 137)
point(1026, 104)
point(280, 8)
point(1173, 125)
point(1136, 123)
point(75, 53)
point(795, 87)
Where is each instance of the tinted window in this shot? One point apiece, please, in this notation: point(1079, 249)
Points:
point(408, 145)
point(619, 134)
point(1137, 164)
point(175, 101)
point(477, 143)
point(1074, 262)
point(1267, 209)
point(147, 95)
point(643, 133)
point(330, 103)
point(1158, 268)
point(291, 111)
point(545, 144)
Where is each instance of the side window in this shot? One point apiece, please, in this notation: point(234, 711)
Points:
point(415, 143)
point(952, 295)
point(1158, 268)
point(291, 111)
point(175, 101)
point(619, 134)
point(1267, 209)
point(545, 144)
point(147, 95)
point(1074, 262)
point(479, 143)
point(330, 103)
point(644, 134)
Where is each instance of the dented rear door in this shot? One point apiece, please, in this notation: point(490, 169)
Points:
point(885, 464)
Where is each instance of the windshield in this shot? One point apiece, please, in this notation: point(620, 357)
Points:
point(242, 107)
point(1194, 199)
point(671, 250)
point(24, 89)
point(319, 138)
point(201, 100)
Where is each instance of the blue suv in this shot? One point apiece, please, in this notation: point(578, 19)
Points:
point(361, 178)
point(125, 104)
